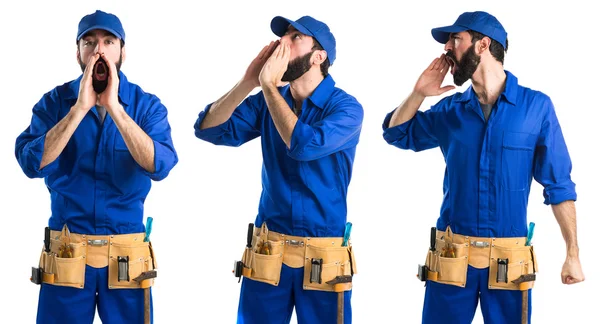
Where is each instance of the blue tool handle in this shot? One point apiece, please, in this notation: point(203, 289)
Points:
point(148, 229)
point(347, 234)
point(530, 233)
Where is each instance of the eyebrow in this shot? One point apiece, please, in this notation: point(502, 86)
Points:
point(291, 29)
point(103, 33)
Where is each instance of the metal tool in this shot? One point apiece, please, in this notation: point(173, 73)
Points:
point(238, 266)
point(316, 266)
point(337, 283)
point(423, 270)
point(250, 234)
point(502, 273)
point(141, 280)
point(523, 286)
point(123, 268)
point(47, 239)
point(339, 280)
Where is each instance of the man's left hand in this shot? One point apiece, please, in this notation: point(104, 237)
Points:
point(109, 98)
point(571, 271)
point(275, 67)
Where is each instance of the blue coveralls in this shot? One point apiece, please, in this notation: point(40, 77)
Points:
point(96, 187)
point(489, 168)
point(304, 190)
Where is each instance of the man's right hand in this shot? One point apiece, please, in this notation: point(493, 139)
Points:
point(253, 71)
point(430, 81)
point(87, 96)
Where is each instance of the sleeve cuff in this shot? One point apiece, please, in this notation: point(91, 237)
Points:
point(556, 194)
point(301, 136)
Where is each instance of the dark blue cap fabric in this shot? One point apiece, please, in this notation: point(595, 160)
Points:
point(478, 21)
point(309, 26)
point(101, 20)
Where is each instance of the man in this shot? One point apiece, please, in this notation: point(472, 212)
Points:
point(495, 137)
point(98, 153)
point(309, 131)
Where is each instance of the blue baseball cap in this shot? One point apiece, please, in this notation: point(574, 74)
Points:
point(308, 26)
point(478, 21)
point(101, 20)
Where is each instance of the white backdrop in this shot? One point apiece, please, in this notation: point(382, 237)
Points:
point(189, 54)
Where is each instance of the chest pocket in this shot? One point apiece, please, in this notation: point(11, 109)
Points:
point(123, 162)
point(517, 160)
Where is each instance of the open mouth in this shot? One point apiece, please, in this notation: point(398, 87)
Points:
point(100, 70)
point(452, 64)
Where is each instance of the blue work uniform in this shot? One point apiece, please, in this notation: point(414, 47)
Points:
point(96, 187)
point(304, 189)
point(489, 169)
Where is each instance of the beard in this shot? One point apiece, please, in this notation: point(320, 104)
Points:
point(297, 68)
point(466, 66)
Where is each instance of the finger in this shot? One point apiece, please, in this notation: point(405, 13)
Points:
point(445, 68)
point(89, 68)
point(445, 89)
point(111, 66)
point(438, 65)
point(272, 48)
point(276, 51)
point(287, 53)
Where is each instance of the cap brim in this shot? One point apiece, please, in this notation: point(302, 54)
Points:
point(279, 26)
point(110, 30)
point(442, 34)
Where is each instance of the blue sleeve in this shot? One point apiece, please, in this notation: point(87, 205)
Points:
point(338, 131)
point(552, 166)
point(416, 134)
point(243, 125)
point(29, 146)
point(156, 126)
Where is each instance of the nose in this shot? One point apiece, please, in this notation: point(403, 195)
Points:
point(449, 44)
point(99, 48)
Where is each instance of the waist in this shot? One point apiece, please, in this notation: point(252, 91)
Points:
point(96, 248)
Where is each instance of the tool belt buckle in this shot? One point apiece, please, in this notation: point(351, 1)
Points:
point(97, 242)
point(294, 243)
point(480, 244)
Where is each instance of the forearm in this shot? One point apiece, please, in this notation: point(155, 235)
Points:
point(59, 135)
point(222, 109)
point(281, 113)
point(566, 218)
point(407, 109)
point(140, 145)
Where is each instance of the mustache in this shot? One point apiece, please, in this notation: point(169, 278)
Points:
point(451, 55)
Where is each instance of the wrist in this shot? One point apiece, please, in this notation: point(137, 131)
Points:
point(573, 251)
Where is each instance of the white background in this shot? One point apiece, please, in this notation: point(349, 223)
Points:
point(189, 54)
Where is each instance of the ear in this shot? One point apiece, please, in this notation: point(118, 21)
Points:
point(319, 57)
point(123, 54)
point(483, 45)
point(78, 55)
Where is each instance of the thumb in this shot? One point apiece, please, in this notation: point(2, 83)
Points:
point(445, 89)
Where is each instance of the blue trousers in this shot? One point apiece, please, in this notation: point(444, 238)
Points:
point(67, 305)
point(261, 303)
point(456, 305)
